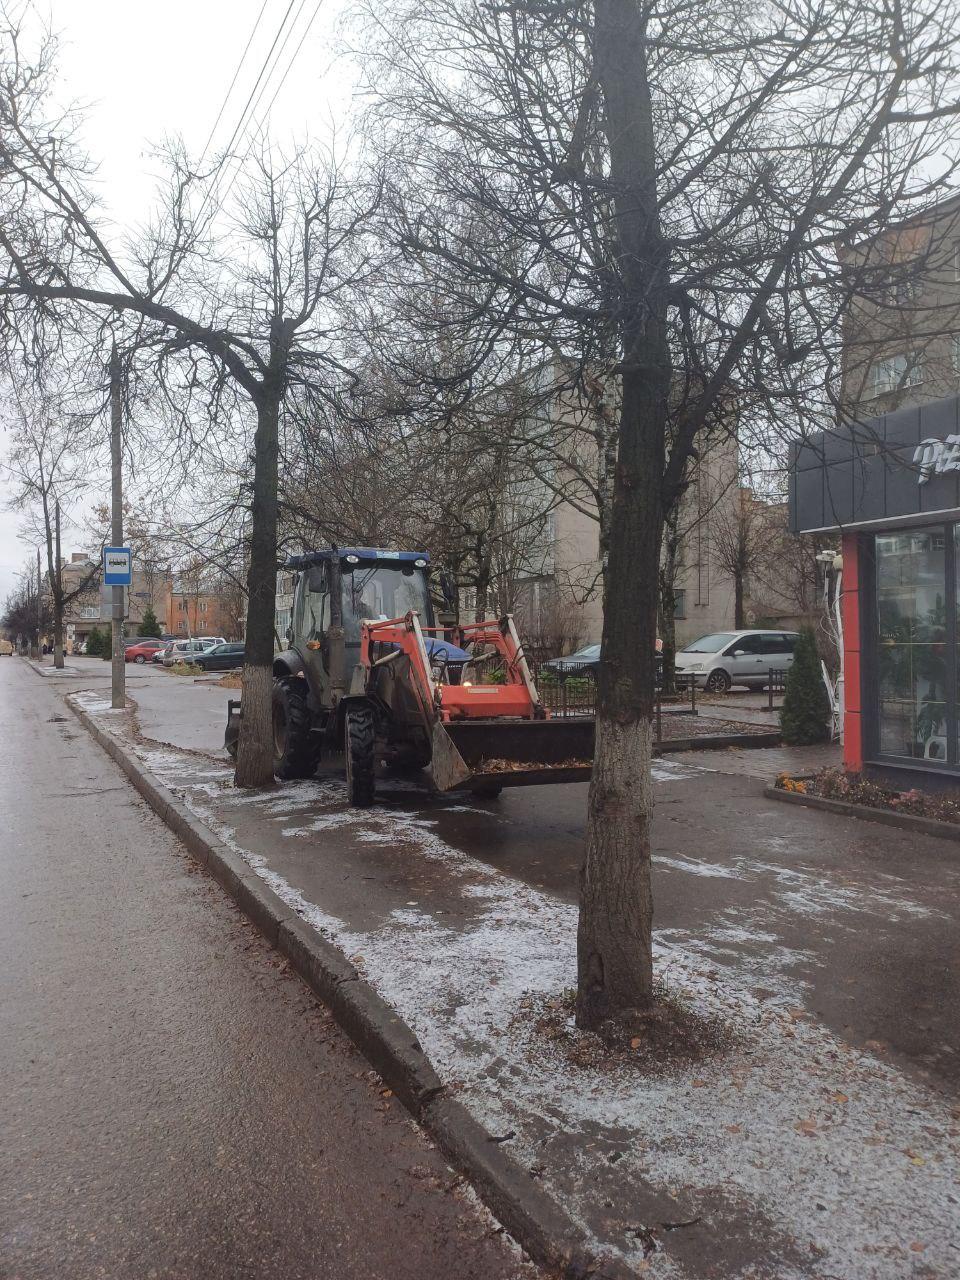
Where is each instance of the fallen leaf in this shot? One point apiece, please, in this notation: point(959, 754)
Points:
point(636, 1042)
point(734, 1128)
point(699, 1084)
point(839, 1097)
point(807, 1127)
point(917, 1247)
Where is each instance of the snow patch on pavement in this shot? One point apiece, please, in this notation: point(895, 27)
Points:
point(847, 1158)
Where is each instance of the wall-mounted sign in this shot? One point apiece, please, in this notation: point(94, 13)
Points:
point(117, 566)
point(934, 457)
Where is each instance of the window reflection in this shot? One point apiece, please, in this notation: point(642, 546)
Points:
point(912, 666)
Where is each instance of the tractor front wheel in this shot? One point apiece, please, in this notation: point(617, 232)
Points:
point(359, 733)
point(296, 750)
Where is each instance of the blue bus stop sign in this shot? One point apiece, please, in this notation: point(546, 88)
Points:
point(117, 566)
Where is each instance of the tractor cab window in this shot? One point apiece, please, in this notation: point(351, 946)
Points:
point(375, 593)
point(312, 609)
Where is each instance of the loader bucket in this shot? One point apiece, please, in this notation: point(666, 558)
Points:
point(511, 753)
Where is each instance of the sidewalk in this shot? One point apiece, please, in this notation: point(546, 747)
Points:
point(819, 1139)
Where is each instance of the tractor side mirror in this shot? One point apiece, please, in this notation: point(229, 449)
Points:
point(316, 579)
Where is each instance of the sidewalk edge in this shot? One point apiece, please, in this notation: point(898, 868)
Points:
point(535, 1220)
point(844, 808)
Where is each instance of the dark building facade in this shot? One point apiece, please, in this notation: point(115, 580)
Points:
point(891, 488)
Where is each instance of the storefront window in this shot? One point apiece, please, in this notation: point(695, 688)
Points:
point(912, 652)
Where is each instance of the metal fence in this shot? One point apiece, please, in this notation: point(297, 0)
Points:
point(572, 691)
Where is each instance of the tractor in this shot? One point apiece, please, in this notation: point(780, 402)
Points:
point(368, 671)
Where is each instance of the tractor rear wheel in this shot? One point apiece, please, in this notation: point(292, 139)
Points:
point(296, 750)
point(359, 734)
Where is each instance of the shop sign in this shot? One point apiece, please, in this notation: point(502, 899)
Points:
point(934, 457)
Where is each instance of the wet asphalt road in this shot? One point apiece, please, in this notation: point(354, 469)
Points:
point(174, 1103)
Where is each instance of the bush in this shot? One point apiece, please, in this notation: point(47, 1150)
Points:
point(106, 644)
point(150, 626)
point(805, 715)
point(95, 643)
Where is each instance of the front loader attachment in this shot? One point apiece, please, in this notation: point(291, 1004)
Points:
point(474, 754)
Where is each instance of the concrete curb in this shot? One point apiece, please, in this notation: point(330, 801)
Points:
point(525, 1209)
point(905, 821)
point(718, 742)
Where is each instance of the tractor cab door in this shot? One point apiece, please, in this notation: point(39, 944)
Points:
point(310, 624)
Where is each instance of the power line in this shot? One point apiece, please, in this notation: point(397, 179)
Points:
point(223, 104)
point(266, 114)
point(246, 107)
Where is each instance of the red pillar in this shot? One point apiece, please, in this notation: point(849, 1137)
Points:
point(850, 613)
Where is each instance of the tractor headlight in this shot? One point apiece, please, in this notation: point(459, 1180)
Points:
point(351, 559)
point(420, 564)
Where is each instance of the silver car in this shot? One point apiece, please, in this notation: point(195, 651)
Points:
point(183, 651)
point(726, 658)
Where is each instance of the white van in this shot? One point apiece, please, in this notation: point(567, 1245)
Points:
point(725, 658)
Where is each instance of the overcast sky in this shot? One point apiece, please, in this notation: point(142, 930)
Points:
point(148, 70)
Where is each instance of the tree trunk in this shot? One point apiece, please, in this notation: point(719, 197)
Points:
point(668, 630)
point(614, 938)
point(667, 621)
point(738, 614)
point(255, 748)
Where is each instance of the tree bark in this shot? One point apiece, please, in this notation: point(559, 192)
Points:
point(255, 748)
point(614, 937)
point(739, 617)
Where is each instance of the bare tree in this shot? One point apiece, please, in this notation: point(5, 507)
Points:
point(233, 315)
point(48, 475)
point(665, 187)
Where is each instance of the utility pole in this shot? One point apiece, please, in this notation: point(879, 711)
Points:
point(39, 609)
point(118, 674)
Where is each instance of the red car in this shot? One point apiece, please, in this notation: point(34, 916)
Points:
point(143, 651)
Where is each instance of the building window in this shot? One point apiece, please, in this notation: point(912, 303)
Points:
point(181, 625)
point(182, 606)
point(202, 606)
point(895, 372)
point(912, 684)
point(680, 604)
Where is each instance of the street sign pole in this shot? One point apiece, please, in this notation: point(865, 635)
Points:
point(118, 674)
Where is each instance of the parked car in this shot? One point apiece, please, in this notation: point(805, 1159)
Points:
point(583, 662)
point(725, 658)
point(211, 639)
point(160, 654)
point(142, 650)
point(6, 649)
point(184, 651)
point(221, 657)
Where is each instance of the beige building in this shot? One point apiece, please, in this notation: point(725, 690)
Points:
point(901, 333)
point(559, 605)
point(92, 607)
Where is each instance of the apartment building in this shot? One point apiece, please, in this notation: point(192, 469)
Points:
point(901, 330)
point(91, 604)
point(560, 606)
